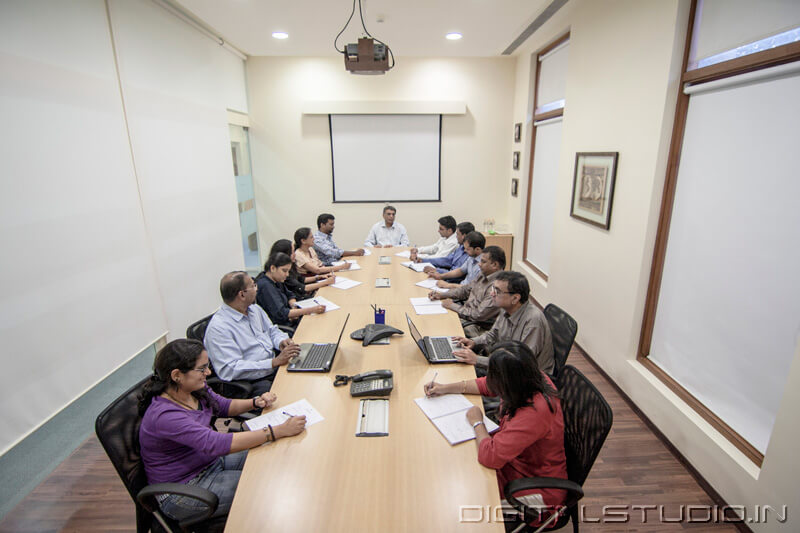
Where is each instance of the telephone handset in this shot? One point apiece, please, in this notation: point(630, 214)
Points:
point(375, 383)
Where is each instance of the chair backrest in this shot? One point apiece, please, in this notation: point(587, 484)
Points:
point(197, 331)
point(587, 421)
point(563, 329)
point(117, 428)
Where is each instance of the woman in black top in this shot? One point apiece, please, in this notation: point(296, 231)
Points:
point(300, 286)
point(275, 298)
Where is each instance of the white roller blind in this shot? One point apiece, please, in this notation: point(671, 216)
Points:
point(78, 290)
point(543, 194)
point(553, 76)
point(379, 158)
point(722, 25)
point(728, 314)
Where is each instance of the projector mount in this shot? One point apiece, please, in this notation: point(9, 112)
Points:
point(370, 55)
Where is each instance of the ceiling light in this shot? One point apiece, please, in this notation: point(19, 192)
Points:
point(453, 36)
point(280, 35)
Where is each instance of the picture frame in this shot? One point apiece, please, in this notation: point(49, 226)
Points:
point(514, 187)
point(517, 132)
point(593, 187)
point(515, 161)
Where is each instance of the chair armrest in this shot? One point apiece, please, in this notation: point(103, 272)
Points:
point(242, 388)
point(147, 499)
point(574, 491)
point(289, 330)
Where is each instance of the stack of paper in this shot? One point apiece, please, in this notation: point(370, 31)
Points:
point(424, 306)
point(418, 267)
point(318, 300)
point(448, 414)
point(279, 415)
point(353, 264)
point(406, 254)
point(345, 283)
point(430, 284)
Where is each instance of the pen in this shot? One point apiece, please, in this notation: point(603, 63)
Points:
point(287, 414)
point(434, 378)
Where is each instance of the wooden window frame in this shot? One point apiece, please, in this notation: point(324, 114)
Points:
point(541, 116)
point(759, 60)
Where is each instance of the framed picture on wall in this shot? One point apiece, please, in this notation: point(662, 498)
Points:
point(593, 187)
point(517, 132)
point(515, 161)
point(514, 186)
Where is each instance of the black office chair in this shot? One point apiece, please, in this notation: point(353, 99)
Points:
point(587, 421)
point(563, 329)
point(229, 389)
point(117, 428)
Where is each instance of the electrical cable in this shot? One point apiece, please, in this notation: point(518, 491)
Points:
point(345, 26)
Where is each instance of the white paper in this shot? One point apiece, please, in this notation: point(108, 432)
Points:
point(279, 415)
point(424, 300)
point(417, 267)
point(367, 251)
point(318, 300)
point(448, 414)
point(345, 283)
point(430, 310)
point(443, 405)
point(406, 254)
point(430, 284)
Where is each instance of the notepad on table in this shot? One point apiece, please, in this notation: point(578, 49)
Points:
point(318, 300)
point(448, 414)
point(278, 415)
point(417, 267)
point(352, 262)
point(406, 254)
point(425, 306)
point(430, 284)
point(345, 283)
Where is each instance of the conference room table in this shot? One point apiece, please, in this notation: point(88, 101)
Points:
point(326, 478)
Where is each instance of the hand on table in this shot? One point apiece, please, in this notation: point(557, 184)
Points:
point(474, 414)
point(265, 400)
point(466, 356)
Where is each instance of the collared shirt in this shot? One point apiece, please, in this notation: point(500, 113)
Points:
point(440, 248)
point(302, 258)
point(326, 249)
point(450, 262)
point(394, 235)
point(479, 305)
point(273, 297)
point(472, 266)
point(527, 325)
point(242, 346)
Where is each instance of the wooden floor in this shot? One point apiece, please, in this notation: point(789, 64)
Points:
point(634, 469)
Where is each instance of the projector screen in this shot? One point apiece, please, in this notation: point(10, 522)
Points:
point(386, 158)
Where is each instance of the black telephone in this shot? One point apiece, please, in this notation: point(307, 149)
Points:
point(375, 383)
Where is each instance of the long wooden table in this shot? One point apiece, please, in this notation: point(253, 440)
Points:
point(326, 478)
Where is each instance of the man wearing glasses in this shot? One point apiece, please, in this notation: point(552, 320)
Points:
point(519, 320)
point(241, 340)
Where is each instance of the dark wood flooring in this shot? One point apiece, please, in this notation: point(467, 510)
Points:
point(634, 469)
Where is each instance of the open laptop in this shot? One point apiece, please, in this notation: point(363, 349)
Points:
point(435, 349)
point(316, 357)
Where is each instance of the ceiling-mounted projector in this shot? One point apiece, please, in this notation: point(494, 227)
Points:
point(366, 57)
point(369, 56)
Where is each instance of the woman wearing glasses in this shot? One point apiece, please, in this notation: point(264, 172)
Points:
point(178, 444)
point(530, 441)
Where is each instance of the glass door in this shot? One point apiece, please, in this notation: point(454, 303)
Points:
point(240, 151)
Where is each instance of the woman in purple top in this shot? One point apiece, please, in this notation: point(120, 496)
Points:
point(178, 444)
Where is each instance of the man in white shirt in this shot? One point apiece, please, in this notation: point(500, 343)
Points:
point(387, 233)
point(444, 246)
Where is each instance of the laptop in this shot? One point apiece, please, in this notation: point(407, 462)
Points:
point(316, 357)
point(435, 349)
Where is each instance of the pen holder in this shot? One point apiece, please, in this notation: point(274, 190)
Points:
point(380, 316)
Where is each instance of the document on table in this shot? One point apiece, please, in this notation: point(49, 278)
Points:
point(406, 254)
point(281, 414)
point(448, 414)
point(430, 284)
point(424, 306)
point(417, 267)
point(367, 251)
point(345, 283)
point(353, 264)
point(318, 300)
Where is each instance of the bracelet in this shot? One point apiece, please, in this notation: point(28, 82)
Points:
point(476, 424)
point(271, 432)
point(463, 386)
point(254, 402)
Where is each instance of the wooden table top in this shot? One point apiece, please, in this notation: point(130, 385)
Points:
point(326, 478)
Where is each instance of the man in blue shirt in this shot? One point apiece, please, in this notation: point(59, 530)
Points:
point(241, 340)
point(327, 251)
point(457, 257)
point(474, 243)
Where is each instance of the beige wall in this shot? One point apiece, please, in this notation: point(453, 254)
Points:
point(291, 152)
point(622, 83)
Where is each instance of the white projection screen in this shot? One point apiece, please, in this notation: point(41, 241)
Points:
point(386, 158)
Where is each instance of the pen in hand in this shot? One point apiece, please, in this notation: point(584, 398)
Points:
point(287, 414)
point(432, 382)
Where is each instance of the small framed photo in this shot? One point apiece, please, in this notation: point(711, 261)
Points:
point(517, 132)
point(593, 187)
point(515, 161)
point(514, 187)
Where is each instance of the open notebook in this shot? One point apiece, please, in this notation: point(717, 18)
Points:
point(448, 414)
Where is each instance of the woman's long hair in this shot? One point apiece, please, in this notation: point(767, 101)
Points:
point(181, 354)
point(299, 236)
point(514, 375)
point(283, 246)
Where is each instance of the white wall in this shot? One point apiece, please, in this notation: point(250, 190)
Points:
point(97, 264)
point(291, 151)
point(622, 85)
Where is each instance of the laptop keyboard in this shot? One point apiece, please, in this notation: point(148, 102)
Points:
point(441, 348)
point(316, 356)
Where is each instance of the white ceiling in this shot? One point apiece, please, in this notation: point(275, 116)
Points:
point(409, 27)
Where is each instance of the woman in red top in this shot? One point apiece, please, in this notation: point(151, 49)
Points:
point(530, 441)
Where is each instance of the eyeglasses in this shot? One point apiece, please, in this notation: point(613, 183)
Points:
point(495, 290)
point(203, 368)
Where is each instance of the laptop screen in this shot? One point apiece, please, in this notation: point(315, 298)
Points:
point(341, 332)
point(414, 331)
